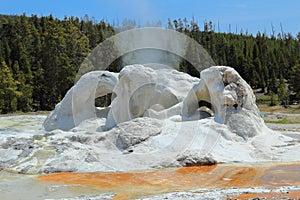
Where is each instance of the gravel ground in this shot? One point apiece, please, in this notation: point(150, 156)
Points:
point(284, 127)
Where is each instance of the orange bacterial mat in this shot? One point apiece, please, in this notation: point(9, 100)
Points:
point(134, 184)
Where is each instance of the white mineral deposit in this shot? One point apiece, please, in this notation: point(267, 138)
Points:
point(158, 118)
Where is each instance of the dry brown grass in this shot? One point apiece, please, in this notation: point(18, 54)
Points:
point(293, 109)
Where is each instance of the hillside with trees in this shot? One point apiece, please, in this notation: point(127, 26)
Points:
point(40, 57)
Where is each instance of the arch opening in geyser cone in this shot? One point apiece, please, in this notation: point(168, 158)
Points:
point(205, 109)
point(102, 104)
point(151, 96)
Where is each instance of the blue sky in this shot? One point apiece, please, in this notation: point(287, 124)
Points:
point(251, 15)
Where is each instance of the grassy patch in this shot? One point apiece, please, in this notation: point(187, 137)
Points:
point(263, 98)
point(294, 120)
point(292, 109)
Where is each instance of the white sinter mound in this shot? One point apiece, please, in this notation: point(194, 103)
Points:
point(79, 102)
point(159, 118)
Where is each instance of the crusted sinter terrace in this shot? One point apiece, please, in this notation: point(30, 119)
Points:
point(158, 118)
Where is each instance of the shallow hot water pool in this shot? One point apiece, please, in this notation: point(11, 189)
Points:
point(138, 184)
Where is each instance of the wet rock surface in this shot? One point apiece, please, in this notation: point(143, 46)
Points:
point(188, 159)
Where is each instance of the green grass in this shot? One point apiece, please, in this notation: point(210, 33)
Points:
point(285, 121)
point(267, 98)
